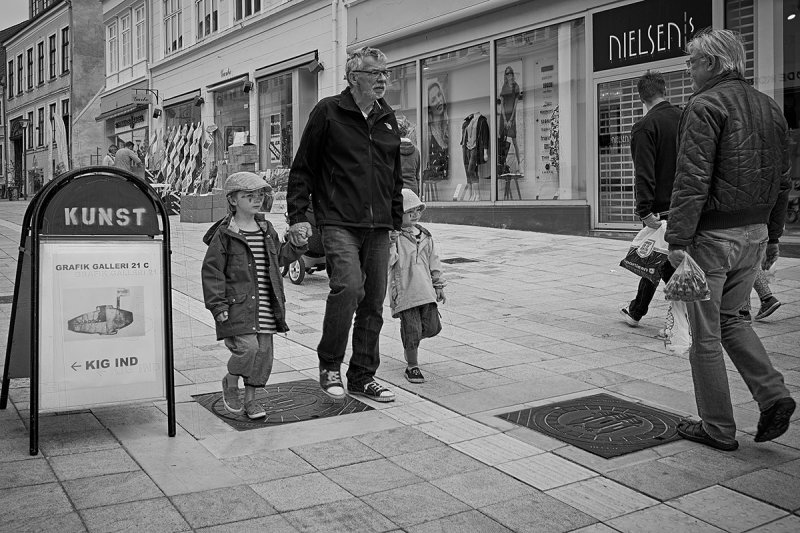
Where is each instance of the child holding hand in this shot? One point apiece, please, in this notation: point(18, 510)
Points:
point(416, 284)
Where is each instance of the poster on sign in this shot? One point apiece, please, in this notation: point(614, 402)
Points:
point(101, 333)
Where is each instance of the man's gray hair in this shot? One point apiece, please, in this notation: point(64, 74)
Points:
point(355, 61)
point(725, 45)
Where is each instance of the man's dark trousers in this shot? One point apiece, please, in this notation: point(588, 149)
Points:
point(647, 289)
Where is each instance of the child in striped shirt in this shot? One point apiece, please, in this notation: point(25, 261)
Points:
point(243, 289)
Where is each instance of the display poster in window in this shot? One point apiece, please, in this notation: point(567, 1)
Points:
point(511, 127)
point(101, 332)
point(545, 110)
point(275, 138)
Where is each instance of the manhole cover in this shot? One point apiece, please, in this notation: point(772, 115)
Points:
point(294, 401)
point(454, 260)
point(600, 424)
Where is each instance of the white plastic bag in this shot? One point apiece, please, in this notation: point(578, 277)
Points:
point(678, 334)
point(647, 253)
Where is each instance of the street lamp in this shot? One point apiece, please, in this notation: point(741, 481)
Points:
point(24, 123)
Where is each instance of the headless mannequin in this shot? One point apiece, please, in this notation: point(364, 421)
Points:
point(472, 191)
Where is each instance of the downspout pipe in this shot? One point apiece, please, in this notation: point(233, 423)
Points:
point(335, 44)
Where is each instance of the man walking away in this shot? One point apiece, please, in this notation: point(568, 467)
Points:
point(348, 165)
point(727, 211)
point(653, 149)
point(127, 159)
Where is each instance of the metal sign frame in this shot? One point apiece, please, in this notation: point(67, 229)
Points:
point(33, 232)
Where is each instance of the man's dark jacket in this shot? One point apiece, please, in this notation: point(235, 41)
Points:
point(654, 149)
point(349, 166)
point(733, 162)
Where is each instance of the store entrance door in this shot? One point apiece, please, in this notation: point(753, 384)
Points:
point(618, 109)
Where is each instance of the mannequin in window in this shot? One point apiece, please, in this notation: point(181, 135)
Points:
point(475, 146)
point(438, 136)
point(510, 93)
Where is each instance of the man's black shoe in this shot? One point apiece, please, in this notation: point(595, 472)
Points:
point(694, 431)
point(775, 421)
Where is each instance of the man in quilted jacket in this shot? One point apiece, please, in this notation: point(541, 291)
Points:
point(727, 212)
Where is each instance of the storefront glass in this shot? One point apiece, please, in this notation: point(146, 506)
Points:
point(181, 115)
point(232, 116)
point(541, 114)
point(455, 140)
point(275, 123)
point(401, 94)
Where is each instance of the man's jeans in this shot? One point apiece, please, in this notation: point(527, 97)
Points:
point(357, 262)
point(730, 259)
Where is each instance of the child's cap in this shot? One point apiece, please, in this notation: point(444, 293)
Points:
point(411, 201)
point(245, 181)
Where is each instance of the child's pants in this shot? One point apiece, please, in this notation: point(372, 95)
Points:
point(417, 323)
point(251, 358)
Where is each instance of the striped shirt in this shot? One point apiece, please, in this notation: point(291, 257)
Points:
point(266, 318)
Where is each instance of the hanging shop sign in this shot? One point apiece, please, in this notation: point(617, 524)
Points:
point(646, 31)
point(92, 313)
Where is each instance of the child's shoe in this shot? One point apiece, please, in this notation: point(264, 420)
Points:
point(254, 410)
point(230, 398)
point(414, 375)
point(768, 306)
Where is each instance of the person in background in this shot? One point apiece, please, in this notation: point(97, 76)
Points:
point(654, 150)
point(243, 289)
point(409, 155)
point(416, 284)
point(769, 304)
point(727, 212)
point(127, 159)
point(108, 159)
point(349, 158)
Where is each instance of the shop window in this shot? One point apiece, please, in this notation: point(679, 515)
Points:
point(740, 16)
point(52, 55)
point(456, 158)
point(541, 114)
point(401, 94)
point(232, 117)
point(180, 115)
point(275, 121)
point(207, 20)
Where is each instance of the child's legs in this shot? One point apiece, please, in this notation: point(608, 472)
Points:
point(761, 285)
point(429, 316)
point(411, 334)
point(251, 358)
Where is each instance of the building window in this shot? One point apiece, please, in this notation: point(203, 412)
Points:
point(30, 68)
point(125, 40)
point(245, 8)
point(113, 48)
point(40, 128)
point(141, 36)
point(275, 121)
point(51, 118)
point(66, 118)
point(64, 50)
point(52, 49)
point(30, 130)
point(540, 114)
point(206, 17)
point(173, 26)
point(2, 171)
point(231, 116)
point(11, 79)
point(40, 64)
point(19, 74)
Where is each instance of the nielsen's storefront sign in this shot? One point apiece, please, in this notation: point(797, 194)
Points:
point(646, 31)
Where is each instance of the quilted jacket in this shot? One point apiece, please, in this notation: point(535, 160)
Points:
point(733, 162)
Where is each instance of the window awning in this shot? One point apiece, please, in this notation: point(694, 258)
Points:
point(295, 62)
point(118, 112)
point(181, 98)
point(227, 84)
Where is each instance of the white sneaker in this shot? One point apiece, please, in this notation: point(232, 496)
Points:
point(632, 322)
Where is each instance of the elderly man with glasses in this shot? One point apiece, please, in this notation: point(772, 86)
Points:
point(727, 211)
point(348, 167)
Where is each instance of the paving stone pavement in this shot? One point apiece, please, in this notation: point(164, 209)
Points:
point(533, 320)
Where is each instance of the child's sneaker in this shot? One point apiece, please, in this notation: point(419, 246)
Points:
point(628, 318)
point(768, 306)
point(414, 375)
point(331, 383)
point(230, 398)
point(254, 410)
point(372, 390)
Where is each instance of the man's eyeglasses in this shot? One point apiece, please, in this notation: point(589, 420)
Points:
point(375, 73)
point(692, 60)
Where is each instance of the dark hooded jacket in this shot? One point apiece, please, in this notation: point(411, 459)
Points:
point(348, 166)
point(409, 162)
point(733, 162)
point(229, 276)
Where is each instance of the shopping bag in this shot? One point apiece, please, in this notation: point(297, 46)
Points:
point(688, 283)
point(648, 252)
point(677, 334)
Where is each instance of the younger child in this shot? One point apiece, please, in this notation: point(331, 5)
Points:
point(243, 289)
point(416, 282)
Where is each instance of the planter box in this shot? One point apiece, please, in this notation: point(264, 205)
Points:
point(200, 208)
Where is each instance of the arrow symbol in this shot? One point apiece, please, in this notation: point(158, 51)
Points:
point(73, 366)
